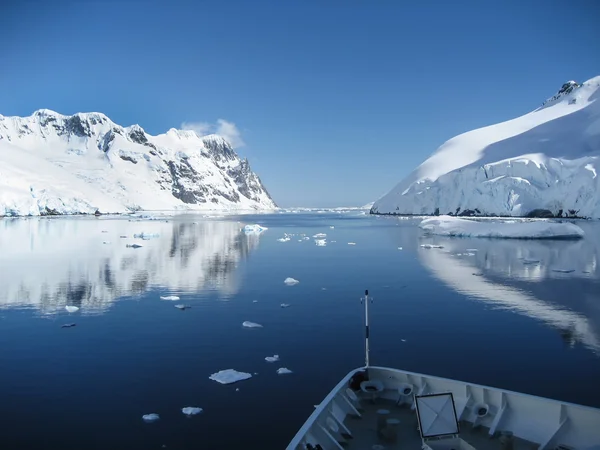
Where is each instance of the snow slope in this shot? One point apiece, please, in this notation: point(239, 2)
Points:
point(56, 164)
point(545, 160)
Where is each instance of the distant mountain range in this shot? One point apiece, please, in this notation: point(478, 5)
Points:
point(56, 164)
point(544, 163)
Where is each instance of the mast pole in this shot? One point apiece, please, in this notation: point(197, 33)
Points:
point(367, 329)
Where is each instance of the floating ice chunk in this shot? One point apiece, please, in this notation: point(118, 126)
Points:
point(431, 246)
point(191, 410)
point(71, 308)
point(457, 227)
point(283, 371)
point(290, 281)
point(134, 246)
point(182, 307)
point(351, 243)
point(254, 229)
point(399, 248)
point(254, 301)
point(149, 418)
point(249, 324)
point(472, 250)
point(403, 340)
point(563, 270)
point(273, 358)
point(319, 236)
point(285, 305)
point(332, 227)
point(306, 238)
point(172, 298)
point(469, 254)
point(229, 376)
point(68, 325)
point(321, 242)
point(284, 239)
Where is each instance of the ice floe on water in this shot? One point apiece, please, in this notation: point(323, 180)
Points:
point(290, 281)
point(271, 359)
point(249, 324)
point(285, 305)
point(149, 418)
point(510, 229)
point(169, 297)
point(431, 246)
point(351, 243)
point(332, 227)
point(182, 307)
point(254, 229)
point(71, 308)
point(320, 236)
point(229, 376)
point(284, 239)
point(68, 325)
point(321, 242)
point(191, 410)
point(283, 371)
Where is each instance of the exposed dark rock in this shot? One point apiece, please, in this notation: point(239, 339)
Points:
point(74, 125)
point(128, 158)
point(540, 213)
point(182, 171)
point(467, 213)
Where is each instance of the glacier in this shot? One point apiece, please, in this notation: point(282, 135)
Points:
point(542, 164)
point(54, 164)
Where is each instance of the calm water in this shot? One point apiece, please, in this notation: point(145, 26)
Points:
point(515, 324)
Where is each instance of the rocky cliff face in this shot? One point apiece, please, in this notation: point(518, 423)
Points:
point(56, 164)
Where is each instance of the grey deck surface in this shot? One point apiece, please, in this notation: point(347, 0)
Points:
point(364, 430)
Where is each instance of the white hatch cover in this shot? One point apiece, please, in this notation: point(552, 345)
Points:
point(436, 415)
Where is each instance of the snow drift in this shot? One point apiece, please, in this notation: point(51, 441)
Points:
point(543, 163)
point(56, 164)
point(454, 226)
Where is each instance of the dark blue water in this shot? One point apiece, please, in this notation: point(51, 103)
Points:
point(485, 315)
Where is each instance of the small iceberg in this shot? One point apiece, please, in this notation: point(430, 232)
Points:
point(229, 376)
point(149, 418)
point(332, 227)
point(319, 236)
point(71, 309)
point(457, 227)
point(249, 324)
point(285, 305)
point(271, 359)
point(254, 229)
point(321, 242)
point(283, 371)
point(182, 307)
point(290, 281)
point(284, 239)
point(191, 410)
point(68, 325)
point(351, 243)
point(169, 297)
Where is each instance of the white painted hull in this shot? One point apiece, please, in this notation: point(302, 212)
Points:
point(547, 423)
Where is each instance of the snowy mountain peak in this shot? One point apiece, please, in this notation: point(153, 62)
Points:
point(56, 164)
point(542, 163)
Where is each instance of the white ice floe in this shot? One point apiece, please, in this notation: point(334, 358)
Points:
point(321, 242)
point(71, 309)
point(284, 239)
point(283, 371)
point(249, 324)
point(254, 229)
point(332, 227)
point(457, 227)
point(285, 305)
point(271, 359)
point(319, 236)
point(172, 298)
point(149, 418)
point(351, 243)
point(182, 307)
point(431, 246)
point(229, 376)
point(306, 238)
point(290, 281)
point(472, 250)
point(254, 301)
point(191, 410)
point(399, 248)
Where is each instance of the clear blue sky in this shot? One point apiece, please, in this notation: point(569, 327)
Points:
point(336, 101)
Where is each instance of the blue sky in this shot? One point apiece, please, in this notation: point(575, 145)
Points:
point(335, 101)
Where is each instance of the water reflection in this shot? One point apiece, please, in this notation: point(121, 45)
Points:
point(556, 282)
point(48, 263)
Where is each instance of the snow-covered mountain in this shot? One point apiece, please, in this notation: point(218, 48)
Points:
point(543, 163)
point(56, 164)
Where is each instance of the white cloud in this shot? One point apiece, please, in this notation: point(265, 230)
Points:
point(223, 128)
